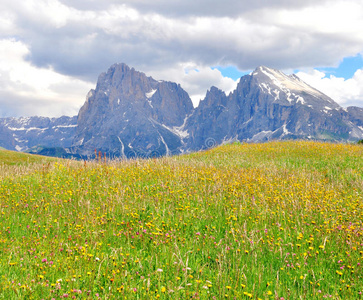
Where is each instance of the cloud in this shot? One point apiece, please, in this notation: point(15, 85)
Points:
point(196, 80)
point(48, 92)
point(76, 40)
point(180, 8)
point(15, 105)
point(241, 33)
point(346, 92)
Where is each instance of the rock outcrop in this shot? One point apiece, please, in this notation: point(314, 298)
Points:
point(269, 105)
point(21, 134)
point(131, 115)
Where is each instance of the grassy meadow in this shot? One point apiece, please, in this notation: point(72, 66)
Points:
point(16, 163)
point(280, 220)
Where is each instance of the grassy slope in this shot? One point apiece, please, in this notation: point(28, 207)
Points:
point(18, 158)
point(268, 221)
point(14, 163)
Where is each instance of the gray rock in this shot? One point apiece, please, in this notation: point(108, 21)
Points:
point(24, 133)
point(269, 105)
point(131, 115)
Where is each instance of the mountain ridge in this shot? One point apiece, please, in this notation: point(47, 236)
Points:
point(130, 114)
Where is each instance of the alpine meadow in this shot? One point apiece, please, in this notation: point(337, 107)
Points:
point(277, 220)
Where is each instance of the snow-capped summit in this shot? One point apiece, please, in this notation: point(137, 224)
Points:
point(269, 104)
point(291, 89)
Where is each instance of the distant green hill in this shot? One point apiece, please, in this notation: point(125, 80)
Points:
point(8, 157)
point(54, 152)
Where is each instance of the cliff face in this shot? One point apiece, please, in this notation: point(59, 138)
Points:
point(23, 133)
point(129, 114)
point(270, 105)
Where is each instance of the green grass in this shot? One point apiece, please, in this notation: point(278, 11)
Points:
point(18, 158)
point(281, 220)
point(15, 164)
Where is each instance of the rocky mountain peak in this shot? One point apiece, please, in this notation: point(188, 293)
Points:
point(214, 96)
point(290, 89)
point(120, 79)
point(130, 114)
point(278, 79)
point(129, 110)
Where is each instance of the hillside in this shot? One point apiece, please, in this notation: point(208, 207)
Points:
point(14, 163)
point(280, 220)
point(8, 157)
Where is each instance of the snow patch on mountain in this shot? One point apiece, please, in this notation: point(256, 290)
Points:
point(290, 82)
point(150, 94)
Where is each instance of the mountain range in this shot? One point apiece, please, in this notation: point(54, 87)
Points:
point(129, 114)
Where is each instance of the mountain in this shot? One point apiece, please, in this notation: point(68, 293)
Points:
point(21, 134)
point(270, 105)
point(129, 114)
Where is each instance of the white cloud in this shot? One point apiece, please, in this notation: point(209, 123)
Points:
point(46, 13)
point(333, 17)
point(196, 80)
point(281, 35)
point(346, 92)
point(18, 78)
point(58, 46)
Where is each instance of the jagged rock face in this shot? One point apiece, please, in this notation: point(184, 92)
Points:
point(130, 114)
point(23, 133)
point(354, 114)
point(270, 105)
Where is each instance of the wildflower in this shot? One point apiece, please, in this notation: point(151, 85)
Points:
point(163, 289)
point(120, 288)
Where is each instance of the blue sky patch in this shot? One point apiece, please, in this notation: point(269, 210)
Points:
point(231, 72)
point(346, 69)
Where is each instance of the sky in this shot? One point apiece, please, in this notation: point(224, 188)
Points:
point(52, 51)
